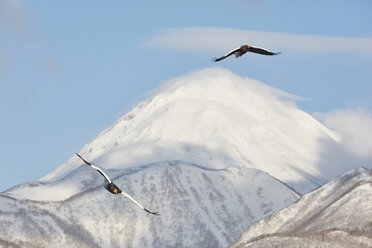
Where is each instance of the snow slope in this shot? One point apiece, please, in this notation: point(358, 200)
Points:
point(218, 119)
point(211, 151)
point(199, 207)
point(336, 215)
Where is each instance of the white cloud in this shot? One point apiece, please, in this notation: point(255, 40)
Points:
point(16, 27)
point(12, 14)
point(354, 128)
point(11, 17)
point(223, 39)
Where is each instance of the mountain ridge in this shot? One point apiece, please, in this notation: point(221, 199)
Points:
point(214, 117)
point(198, 206)
point(210, 151)
point(319, 225)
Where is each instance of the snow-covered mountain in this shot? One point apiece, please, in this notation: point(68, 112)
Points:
point(211, 151)
point(217, 119)
point(336, 215)
point(200, 207)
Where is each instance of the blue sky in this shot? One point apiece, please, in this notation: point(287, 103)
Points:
point(69, 69)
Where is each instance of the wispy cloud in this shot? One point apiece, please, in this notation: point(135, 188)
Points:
point(10, 18)
point(15, 27)
point(223, 39)
point(12, 14)
point(354, 126)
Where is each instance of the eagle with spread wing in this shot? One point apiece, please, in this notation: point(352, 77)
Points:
point(112, 188)
point(243, 49)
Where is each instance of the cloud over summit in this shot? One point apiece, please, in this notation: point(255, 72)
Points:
point(223, 39)
point(354, 128)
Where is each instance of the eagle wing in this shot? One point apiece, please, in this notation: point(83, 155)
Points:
point(139, 205)
point(260, 50)
point(227, 55)
point(95, 167)
point(109, 180)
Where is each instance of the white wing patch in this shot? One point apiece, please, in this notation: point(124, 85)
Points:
point(232, 51)
point(101, 171)
point(135, 202)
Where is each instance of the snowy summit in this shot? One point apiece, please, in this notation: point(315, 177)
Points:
point(215, 118)
point(211, 151)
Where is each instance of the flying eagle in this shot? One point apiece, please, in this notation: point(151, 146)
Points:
point(243, 49)
point(110, 186)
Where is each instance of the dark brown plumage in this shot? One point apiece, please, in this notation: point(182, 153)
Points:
point(243, 49)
